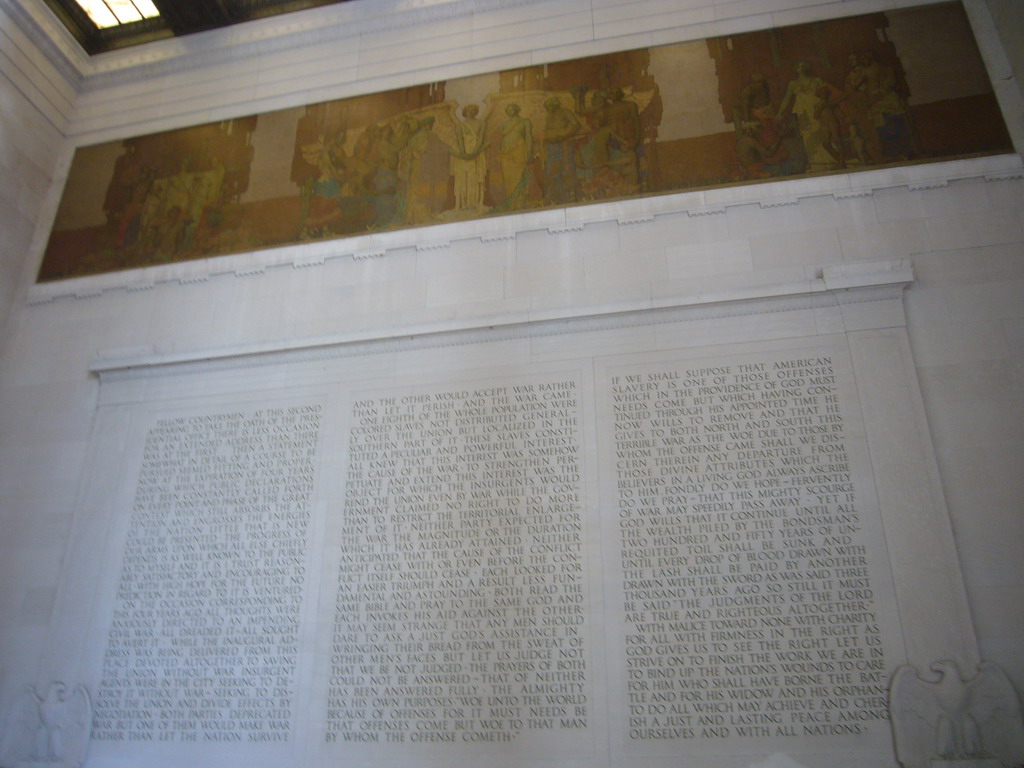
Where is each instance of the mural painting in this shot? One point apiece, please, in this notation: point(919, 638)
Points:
point(835, 96)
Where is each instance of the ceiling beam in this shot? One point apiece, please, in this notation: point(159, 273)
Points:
point(186, 16)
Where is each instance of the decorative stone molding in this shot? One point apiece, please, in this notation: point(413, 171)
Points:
point(240, 42)
point(841, 284)
point(633, 213)
point(55, 43)
point(47, 730)
point(942, 720)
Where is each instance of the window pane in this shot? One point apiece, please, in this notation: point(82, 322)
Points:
point(99, 13)
point(124, 10)
point(146, 8)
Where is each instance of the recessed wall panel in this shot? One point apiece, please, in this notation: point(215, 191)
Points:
point(675, 555)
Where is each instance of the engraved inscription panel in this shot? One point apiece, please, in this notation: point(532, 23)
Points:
point(730, 584)
point(750, 608)
point(460, 614)
point(203, 642)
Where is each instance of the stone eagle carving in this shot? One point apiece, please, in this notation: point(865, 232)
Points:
point(50, 730)
point(945, 717)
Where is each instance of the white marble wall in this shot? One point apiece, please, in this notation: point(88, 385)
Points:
point(33, 116)
point(962, 225)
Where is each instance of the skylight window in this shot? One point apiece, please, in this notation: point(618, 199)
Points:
point(106, 25)
point(112, 13)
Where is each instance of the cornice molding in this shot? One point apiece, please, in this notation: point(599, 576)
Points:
point(239, 42)
point(53, 40)
point(836, 285)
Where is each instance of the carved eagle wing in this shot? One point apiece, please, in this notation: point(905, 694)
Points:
point(21, 728)
point(915, 712)
point(994, 705)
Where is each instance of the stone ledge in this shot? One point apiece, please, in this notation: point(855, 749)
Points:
point(859, 283)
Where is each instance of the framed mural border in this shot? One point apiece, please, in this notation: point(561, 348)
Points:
point(637, 212)
point(697, 201)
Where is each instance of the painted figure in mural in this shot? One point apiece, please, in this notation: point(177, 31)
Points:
point(468, 163)
point(515, 156)
point(167, 200)
point(397, 158)
point(769, 145)
point(624, 120)
point(609, 161)
point(856, 107)
point(888, 108)
point(752, 150)
point(327, 155)
point(334, 200)
point(378, 180)
point(427, 161)
point(832, 128)
point(814, 103)
point(171, 211)
point(754, 95)
point(129, 187)
point(560, 128)
point(391, 176)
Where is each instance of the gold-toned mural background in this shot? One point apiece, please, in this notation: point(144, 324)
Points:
point(834, 96)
